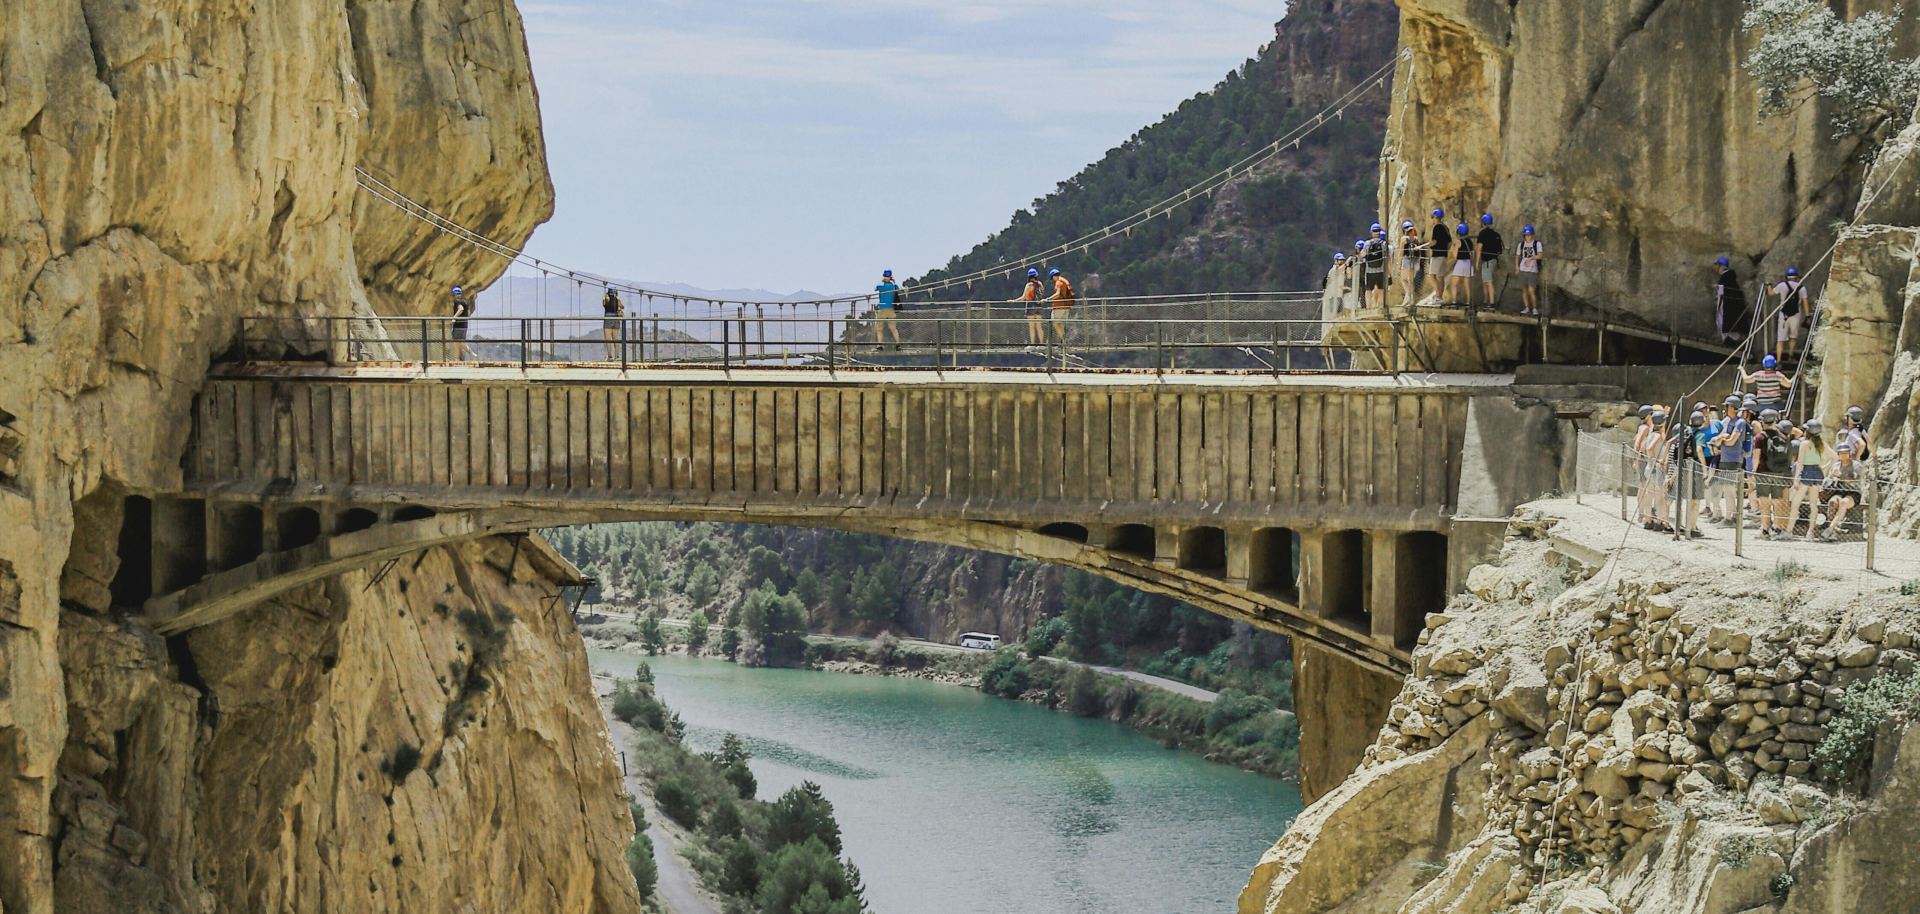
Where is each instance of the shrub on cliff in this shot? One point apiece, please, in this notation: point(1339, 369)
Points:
point(1005, 675)
point(1805, 50)
point(1232, 707)
point(1045, 636)
point(640, 862)
point(1086, 695)
point(1846, 753)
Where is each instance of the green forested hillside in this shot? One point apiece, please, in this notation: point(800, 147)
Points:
point(1274, 231)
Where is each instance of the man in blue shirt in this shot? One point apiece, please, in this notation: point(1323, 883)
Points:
point(884, 308)
point(1730, 442)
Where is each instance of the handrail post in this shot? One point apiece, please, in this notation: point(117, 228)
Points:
point(1276, 349)
point(623, 345)
point(1740, 514)
point(1870, 495)
point(939, 340)
point(526, 340)
point(830, 344)
point(425, 353)
point(726, 343)
point(1624, 469)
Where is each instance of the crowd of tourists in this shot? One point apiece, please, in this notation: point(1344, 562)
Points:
point(1455, 262)
point(1743, 462)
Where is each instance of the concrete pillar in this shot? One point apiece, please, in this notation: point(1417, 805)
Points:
point(1239, 556)
point(1166, 546)
point(1341, 707)
point(237, 538)
point(1394, 611)
point(179, 543)
point(1332, 583)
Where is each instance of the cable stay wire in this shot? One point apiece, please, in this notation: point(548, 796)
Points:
point(386, 193)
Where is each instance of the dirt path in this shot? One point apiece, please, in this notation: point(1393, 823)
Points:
point(677, 889)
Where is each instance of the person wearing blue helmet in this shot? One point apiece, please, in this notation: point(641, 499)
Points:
point(1795, 310)
point(1770, 384)
point(462, 309)
point(1460, 280)
point(1035, 308)
point(1373, 281)
point(1439, 242)
point(1730, 303)
point(1411, 261)
point(1062, 301)
point(1527, 268)
point(886, 303)
point(612, 316)
point(1487, 251)
point(1337, 280)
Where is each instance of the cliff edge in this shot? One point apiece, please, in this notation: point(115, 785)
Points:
point(423, 741)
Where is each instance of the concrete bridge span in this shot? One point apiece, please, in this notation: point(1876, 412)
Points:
point(1339, 509)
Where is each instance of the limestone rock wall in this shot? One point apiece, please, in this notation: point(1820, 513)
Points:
point(1641, 739)
point(166, 168)
point(1626, 131)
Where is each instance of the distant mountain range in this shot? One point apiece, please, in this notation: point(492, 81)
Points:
point(558, 297)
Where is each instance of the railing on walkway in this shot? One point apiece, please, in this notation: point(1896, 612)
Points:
point(1738, 509)
point(1076, 339)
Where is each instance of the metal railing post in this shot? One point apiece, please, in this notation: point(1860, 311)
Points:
point(1740, 514)
point(1159, 345)
point(830, 344)
point(939, 340)
point(1624, 469)
point(623, 344)
point(526, 340)
point(1870, 489)
point(425, 353)
point(726, 343)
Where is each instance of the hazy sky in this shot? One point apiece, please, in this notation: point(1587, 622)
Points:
point(789, 144)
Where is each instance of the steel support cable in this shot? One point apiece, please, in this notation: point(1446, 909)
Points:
point(1204, 187)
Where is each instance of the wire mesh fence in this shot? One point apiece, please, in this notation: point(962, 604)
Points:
point(1832, 511)
point(1084, 336)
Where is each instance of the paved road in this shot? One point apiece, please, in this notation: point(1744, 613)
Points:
point(676, 889)
point(1160, 682)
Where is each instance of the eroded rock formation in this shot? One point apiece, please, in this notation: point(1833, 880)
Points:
point(1627, 131)
point(1633, 738)
point(166, 169)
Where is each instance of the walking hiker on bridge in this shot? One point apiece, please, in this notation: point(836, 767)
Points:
point(1487, 255)
point(1529, 272)
point(885, 304)
point(1794, 313)
point(1035, 308)
point(612, 312)
point(462, 309)
point(1412, 257)
point(1062, 302)
point(1729, 304)
point(1460, 281)
point(1373, 283)
point(1438, 243)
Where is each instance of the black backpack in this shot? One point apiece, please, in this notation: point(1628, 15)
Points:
point(1779, 451)
point(1376, 254)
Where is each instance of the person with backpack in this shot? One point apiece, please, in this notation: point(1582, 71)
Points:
point(1035, 308)
point(1772, 467)
point(1687, 465)
point(1729, 304)
point(1439, 242)
point(1528, 270)
point(1486, 255)
point(612, 312)
point(885, 306)
point(1853, 430)
point(1460, 280)
point(1794, 312)
point(1062, 302)
point(462, 309)
point(1373, 283)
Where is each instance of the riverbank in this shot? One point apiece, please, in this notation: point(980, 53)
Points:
point(1231, 728)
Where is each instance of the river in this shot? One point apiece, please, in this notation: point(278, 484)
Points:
point(954, 802)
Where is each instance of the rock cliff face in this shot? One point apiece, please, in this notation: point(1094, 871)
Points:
point(1631, 738)
point(165, 169)
point(1626, 130)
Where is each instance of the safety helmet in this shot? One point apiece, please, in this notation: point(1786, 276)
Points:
point(1360, 245)
point(1527, 231)
point(1768, 361)
point(1856, 414)
point(1461, 229)
point(1721, 261)
point(1843, 448)
point(1646, 409)
point(887, 273)
point(1769, 415)
point(1031, 272)
point(1486, 218)
point(1659, 417)
point(1699, 405)
point(456, 290)
point(1339, 258)
point(1439, 213)
point(1731, 400)
point(1749, 404)
point(1376, 228)
point(1697, 420)
point(1054, 272)
point(1792, 272)
point(1784, 428)
point(1406, 225)
point(1814, 427)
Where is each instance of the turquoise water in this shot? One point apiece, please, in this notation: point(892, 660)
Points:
point(952, 802)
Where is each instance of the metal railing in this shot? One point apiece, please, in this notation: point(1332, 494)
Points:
point(1753, 515)
point(1054, 339)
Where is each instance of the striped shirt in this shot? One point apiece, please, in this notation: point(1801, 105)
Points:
point(1766, 385)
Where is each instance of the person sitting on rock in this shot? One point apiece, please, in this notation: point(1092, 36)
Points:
point(1842, 492)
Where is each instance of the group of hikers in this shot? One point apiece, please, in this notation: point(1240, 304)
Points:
point(1702, 469)
point(1447, 258)
point(1057, 305)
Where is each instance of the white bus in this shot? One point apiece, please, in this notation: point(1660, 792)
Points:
point(980, 641)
